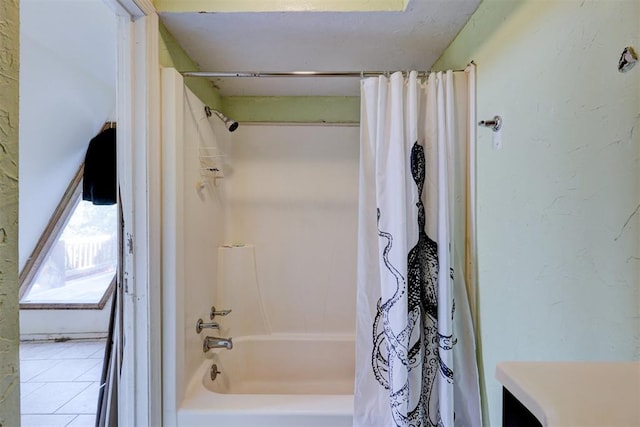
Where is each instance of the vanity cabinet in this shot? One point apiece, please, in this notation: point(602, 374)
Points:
point(515, 413)
point(554, 394)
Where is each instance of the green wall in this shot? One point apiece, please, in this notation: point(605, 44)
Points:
point(173, 55)
point(9, 329)
point(558, 227)
point(303, 109)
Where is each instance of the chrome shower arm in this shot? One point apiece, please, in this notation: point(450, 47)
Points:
point(229, 123)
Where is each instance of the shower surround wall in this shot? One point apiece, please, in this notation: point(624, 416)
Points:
point(193, 221)
point(283, 220)
point(293, 194)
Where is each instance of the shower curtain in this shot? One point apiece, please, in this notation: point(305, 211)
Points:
point(415, 344)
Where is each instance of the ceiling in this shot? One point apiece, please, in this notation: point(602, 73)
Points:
point(316, 41)
point(80, 32)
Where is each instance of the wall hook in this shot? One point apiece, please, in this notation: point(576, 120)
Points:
point(494, 124)
point(627, 60)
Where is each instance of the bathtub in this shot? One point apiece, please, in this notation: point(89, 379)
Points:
point(274, 380)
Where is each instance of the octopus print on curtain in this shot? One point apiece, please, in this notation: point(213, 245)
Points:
point(415, 344)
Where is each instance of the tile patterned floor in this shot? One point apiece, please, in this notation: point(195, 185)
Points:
point(59, 382)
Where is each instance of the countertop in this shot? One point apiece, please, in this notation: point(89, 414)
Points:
point(576, 393)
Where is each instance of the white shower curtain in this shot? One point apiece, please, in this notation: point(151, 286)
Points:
point(415, 345)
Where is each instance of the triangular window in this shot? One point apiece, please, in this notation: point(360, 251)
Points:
point(74, 263)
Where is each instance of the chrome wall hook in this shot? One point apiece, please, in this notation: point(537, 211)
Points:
point(494, 124)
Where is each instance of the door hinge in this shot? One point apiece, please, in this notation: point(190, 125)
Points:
point(130, 243)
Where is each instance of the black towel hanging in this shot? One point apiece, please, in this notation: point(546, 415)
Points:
point(99, 181)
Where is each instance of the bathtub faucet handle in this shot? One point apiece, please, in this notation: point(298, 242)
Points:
point(200, 325)
point(215, 312)
point(214, 372)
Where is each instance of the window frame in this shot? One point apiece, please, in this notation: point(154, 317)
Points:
point(51, 233)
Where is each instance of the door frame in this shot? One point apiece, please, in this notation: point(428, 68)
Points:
point(138, 133)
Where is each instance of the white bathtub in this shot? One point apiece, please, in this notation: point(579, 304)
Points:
point(274, 380)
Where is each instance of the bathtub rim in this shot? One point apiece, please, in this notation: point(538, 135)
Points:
point(199, 399)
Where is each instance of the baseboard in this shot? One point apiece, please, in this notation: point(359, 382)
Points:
point(64, 336)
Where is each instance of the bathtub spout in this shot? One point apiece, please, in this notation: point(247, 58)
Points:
point(215, 342)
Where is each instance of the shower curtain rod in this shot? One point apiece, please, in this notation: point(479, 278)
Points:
point(360, 74)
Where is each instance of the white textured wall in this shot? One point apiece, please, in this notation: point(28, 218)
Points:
point(293, 193)
point(51, 324)
point(67, 92)
point(558, 205)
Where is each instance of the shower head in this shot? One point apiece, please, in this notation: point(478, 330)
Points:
point(229, 123)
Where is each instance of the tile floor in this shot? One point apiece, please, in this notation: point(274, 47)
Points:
point(59, 382)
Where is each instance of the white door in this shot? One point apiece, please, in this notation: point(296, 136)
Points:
point(139, 396)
